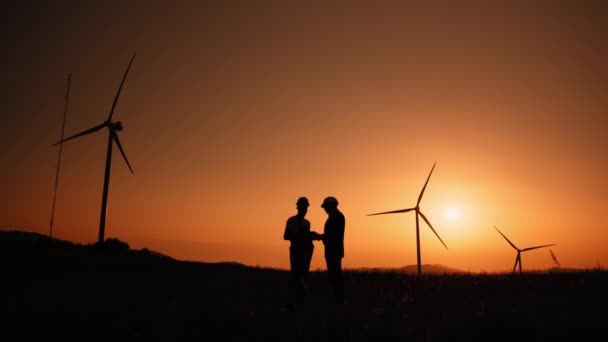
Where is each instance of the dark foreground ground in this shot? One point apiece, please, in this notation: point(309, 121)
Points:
point(54, 290)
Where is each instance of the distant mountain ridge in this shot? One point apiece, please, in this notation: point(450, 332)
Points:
point(413, 269)
point(24, 240)
point(433, 269)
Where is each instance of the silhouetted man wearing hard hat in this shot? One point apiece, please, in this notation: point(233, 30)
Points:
point(333, 239)
point(297, 231)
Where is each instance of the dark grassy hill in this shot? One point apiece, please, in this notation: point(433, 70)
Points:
point(56, 289)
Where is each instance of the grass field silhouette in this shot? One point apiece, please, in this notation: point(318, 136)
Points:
point(57, 289)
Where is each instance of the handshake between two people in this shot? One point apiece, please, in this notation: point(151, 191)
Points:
point(316, 236)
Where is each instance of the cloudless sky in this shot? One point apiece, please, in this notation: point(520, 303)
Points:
point(232, 110)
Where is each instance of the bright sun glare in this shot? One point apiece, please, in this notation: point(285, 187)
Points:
point(453, 213)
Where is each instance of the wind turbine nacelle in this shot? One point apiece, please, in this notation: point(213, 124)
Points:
point(117, 126)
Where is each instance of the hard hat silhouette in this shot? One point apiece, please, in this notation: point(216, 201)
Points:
point(329, 201)
point(302, 201)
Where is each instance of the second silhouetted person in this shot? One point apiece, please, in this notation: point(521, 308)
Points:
point(333, 240)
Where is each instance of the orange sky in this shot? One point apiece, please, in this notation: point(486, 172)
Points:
point(231, 112)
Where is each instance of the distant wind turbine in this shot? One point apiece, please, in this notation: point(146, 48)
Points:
point(113, 128)
point(65, 112)
point(518, 258)
point(418, 213)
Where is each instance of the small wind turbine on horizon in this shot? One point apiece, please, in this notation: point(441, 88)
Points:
point(519, 251)
point(418, 213)
point(65, 111)
point(113, 128)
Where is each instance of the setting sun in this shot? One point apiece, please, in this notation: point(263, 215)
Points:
point(453, 213)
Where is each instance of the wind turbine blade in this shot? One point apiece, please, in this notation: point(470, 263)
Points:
point(88, 131)
point(65, 108)
point(424, 187)
point(531, 248)
point(433, 229)
point(503, 235)
point(393, 212)
point(115, 137)
point(65, 113)
point(120, 89)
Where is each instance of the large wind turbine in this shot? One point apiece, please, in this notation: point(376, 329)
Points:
point(65, 112)
point(518, 258)
point(418, 213)
point(113, 128)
